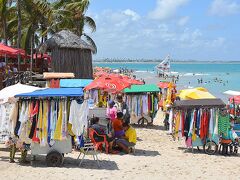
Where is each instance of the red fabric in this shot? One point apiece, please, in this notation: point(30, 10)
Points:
point(55, 83)
point(149, 102)
point(34, 113)
point(204, 125)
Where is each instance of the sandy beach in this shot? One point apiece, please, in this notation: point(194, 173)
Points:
point(157, 156)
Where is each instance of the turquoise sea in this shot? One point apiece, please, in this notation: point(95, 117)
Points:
point(216, 77)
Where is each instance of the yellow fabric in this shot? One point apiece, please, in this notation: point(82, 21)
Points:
point(45, 119)
point(177, 124)
point(131, 135)
point(70, 129)
point(40, 118)
point(194, 135)
point(195, 93)
point(58, 134)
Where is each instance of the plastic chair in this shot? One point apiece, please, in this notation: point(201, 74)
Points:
point(101, 143)
point(88, 149)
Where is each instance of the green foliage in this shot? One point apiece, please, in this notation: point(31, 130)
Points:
point(41, 18)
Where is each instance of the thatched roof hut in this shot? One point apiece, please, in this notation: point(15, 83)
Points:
point(70, 54)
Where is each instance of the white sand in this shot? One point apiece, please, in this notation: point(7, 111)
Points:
point(157, 157)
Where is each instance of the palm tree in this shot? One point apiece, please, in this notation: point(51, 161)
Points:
point(4, 6)
point(70, 14)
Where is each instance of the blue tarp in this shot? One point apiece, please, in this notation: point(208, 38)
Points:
point(74, 83)
point(54, 92)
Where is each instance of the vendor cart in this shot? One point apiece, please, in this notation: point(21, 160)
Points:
point(150, 91)
point(55, 149)
point(210, 146)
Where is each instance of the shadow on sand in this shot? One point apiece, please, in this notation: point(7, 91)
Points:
point(155, 127)
point(141, 152)
point(69, 162)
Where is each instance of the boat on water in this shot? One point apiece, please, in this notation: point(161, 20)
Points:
point(163, 68)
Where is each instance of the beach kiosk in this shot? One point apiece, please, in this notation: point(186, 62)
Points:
point(200, 122)
point(49, 121)
point(142, 101)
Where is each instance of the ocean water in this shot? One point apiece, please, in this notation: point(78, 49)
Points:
point(216, 77)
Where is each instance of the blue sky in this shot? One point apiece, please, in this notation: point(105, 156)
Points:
point(151, 29)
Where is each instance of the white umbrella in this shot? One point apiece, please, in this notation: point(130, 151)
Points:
point(13, 90)
point(232, 93)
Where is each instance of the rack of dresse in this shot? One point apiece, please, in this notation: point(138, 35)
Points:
point(200, 122)
point(49, 118)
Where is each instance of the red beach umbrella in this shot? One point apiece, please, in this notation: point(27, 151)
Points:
point(236, 99)
point(108, 84)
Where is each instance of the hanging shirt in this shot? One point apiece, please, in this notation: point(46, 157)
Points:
point(78, 117)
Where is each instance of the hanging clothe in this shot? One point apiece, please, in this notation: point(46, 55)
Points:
point(78, 117)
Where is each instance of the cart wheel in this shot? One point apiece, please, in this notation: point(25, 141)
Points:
point(210, 148)
point(143, 121)
point(54, 159)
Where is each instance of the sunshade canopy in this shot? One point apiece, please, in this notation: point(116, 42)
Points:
point(54, 92)
point(198, 103)
point(74, 83)
point(232, 93)
point(109, 84)
point(11, 91)
point(142, 88)
point(11, 52)
point(195, 93)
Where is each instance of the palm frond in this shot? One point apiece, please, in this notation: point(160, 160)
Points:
point(91, 42)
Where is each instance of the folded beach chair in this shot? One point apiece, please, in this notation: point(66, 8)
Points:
point(88, 149)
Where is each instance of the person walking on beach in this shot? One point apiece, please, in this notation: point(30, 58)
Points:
point(122, 107)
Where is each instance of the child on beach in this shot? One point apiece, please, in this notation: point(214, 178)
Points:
point(117, 126)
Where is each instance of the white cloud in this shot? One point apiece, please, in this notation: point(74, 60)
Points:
point(224, 7)
point(120, 35)
point(135, 16)
point(183, 21)
point(166, 9)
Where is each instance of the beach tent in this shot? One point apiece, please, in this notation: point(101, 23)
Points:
point(142, 88)
point(74, 83)
point(54, 92)
point(195, 93)
point(232, 93)
point(11, 91)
